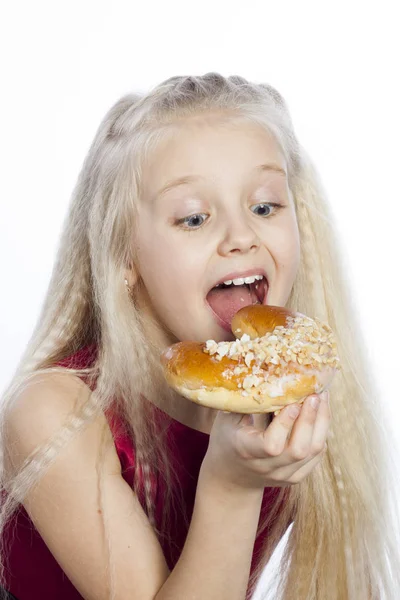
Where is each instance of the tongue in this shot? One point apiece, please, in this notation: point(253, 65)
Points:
point(225, 302)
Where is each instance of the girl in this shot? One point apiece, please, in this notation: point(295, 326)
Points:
point(113, 486)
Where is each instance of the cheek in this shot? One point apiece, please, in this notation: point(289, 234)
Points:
point(290, 250)
point(286, 249)
point(287, 239)
point(167, 268)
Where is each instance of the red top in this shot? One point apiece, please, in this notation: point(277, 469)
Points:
point(32, 571)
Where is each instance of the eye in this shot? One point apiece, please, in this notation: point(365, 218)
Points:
point(194, 219)
point(274, 205)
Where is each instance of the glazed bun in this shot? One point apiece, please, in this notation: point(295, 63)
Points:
point(279, 357)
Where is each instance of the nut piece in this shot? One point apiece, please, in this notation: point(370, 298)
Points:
point(303, 341)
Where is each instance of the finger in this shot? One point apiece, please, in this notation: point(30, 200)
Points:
point(261, 420)
point(322, 424)
point(309, 465)
point(311, 429)
point(300, 462)
point(271, 441)
point(302, 434)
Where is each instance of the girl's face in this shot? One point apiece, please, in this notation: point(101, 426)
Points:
point(193, 235)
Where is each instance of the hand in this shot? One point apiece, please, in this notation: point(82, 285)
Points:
point(242, 455)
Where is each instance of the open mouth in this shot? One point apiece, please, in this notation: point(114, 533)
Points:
point(226, 300)
point(258, 289)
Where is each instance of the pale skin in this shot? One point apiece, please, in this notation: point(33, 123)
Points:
point(178, 267)
point(229, 226)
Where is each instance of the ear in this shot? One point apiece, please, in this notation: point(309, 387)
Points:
point(131, 275)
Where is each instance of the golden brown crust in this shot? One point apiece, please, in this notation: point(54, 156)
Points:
point(281, 357)
point(193, 368)
point(258, 319)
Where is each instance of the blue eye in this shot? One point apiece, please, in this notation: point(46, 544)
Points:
point(273, 204)
point(194, 219)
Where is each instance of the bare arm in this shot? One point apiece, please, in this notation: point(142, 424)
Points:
point(216, 559)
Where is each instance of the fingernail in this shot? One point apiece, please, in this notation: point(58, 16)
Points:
point(294, 410)
point(315, 400)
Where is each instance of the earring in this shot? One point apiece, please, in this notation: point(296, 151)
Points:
point(128, 288)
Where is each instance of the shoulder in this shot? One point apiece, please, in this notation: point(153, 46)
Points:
point(44, 406)
point(71, 507)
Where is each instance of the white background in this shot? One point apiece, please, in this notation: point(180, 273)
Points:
point(335, 63)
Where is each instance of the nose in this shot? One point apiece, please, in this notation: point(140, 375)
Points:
point(238, 236)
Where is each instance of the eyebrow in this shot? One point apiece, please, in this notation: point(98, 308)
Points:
point(269, 167)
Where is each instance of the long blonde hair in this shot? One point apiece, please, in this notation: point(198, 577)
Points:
point(343, 544)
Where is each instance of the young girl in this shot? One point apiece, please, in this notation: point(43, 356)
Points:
point(114, 486)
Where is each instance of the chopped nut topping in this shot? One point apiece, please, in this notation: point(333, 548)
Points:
point(248, 358)
point(304, 341)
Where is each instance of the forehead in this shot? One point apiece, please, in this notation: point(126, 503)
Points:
point(213, 152)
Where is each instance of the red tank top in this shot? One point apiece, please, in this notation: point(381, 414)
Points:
point(31, 570)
